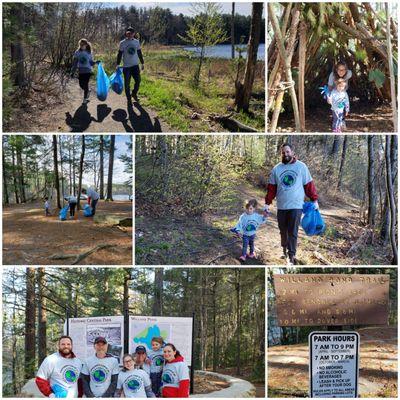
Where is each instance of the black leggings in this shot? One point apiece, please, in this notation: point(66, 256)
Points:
point(131, 72)
point(84, 83)
point(72, 209)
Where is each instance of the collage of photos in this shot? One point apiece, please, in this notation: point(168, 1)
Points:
point(199, 199)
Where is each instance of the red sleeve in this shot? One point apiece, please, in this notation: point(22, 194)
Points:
point(311, 191)
point(271, 193)
point(184, 386)
point(44, 386)
point(80, 388)
point(88, 200)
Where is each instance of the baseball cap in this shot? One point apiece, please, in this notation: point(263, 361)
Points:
point(140, 349)
point(100, 339)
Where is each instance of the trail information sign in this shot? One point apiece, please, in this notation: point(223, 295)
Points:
point(334, 363)
point(331, 299)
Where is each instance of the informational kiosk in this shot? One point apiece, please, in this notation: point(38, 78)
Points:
point(334, 363)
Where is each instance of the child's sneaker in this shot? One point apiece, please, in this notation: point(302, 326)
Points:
point(242, 258)
point(252, 255)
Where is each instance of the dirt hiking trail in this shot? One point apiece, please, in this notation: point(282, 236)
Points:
point(112, 115)
point(207, 240)
point(31, 238)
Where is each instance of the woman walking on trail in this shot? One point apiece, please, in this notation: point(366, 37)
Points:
point(83, 61)
point(175, 376)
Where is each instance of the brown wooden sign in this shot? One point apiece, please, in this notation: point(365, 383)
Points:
point(331, 299)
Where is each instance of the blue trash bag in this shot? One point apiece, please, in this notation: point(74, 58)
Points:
point(102, 83)
point(63, 213)
point(87, 210)
point(116, 81)
point(59, 391)
point(312, 221)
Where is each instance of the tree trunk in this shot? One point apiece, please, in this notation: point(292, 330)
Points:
point(73, 166)
point(214, 307)
point(14, 176)
point(55, 162)
point(371, 181)
point(30, 314)
point(288, 71)
point(110, 169)
point(302, 66)
point(158, 292)
point(390, 191)
point(101, 167)
point(391, 69)
point(6, 199)
point(233, 32)
point(61, 170)
point(125, 302)
point(243, 90)
point(17, 51)
point(42, 316)
point(81, 172)
point(238, 319)
point(342, 161)
point(21, 179)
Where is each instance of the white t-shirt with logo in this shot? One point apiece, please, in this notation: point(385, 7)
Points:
point(100, 371)
point(61, 371)
point(157, 360)
point(129, 47)
point(290, 180)
point(134, 382)
point(173, 373)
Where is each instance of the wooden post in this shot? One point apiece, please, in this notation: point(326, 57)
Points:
point(302, 66)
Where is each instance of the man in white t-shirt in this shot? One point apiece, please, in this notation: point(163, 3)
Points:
point(130, 53)
point(59, 372)
point(93, 198)
point(100, 372)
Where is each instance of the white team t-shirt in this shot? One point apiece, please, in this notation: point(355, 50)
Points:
point(157, 360)
point(92, 194)
point(134, 382)
point(175, 372)
point(61, 371)
point(129, 47)
point(100, 371)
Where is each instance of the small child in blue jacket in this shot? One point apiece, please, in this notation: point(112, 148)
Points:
point(247, 227)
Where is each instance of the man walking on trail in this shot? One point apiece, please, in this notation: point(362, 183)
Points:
point(100, 372)
point(59, 372)
point(131, 54)
point(290, 181)
point(93, 198)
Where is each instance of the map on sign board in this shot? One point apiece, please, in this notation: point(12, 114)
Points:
point(334, 364)
point(146, 331)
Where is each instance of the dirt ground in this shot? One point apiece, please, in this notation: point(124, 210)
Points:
point(68, 114)
point(361, 119)
point(31, 238)
point(207, 240)
point(288, 366)
point(208, 384)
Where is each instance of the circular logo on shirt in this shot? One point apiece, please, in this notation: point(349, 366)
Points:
point(288, 179)
point(131, 51)
point(99, 374)
point(134, 384)
point(70, 374)
point(83, 60)
point(158, 361)
point(250, 227)
point(169, 377)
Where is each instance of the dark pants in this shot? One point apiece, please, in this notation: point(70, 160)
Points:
point(248, 241)
point(156, 382)
point(84, 83)
point(288, 222)
point(131, 72)
point(47, 212)
point(337, 120)
point(72, 209)
point(94, 203)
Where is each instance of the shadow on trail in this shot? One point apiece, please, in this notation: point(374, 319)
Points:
point(136, 122)
point(82, 118)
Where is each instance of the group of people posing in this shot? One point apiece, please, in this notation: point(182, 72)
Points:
point(129, 52)
point(160, 372)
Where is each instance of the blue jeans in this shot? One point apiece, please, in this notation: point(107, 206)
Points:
point(156, 382)
point(248, 241)
point(337, 120)
point(94, 203)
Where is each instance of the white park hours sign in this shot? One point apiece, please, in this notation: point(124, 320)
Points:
point(334, 364)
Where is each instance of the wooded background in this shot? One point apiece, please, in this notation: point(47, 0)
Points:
point(229, 307)
point(191, 176)
point(308, 39)
point(37, 166)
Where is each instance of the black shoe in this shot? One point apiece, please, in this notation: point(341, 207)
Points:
point(135, 97)
point(284, 254)
point(292, 260)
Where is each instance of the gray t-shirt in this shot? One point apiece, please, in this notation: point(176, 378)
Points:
point(290, 180)
point(129, 48)
point(100, 371)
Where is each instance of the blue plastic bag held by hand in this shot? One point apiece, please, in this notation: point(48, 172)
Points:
point(102, 83)
point(59, 391)
point(116, 81)
point(87, 210)
point(312, 221)
point(63, 213)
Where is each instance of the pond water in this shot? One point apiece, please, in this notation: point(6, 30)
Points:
point(224, 51)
